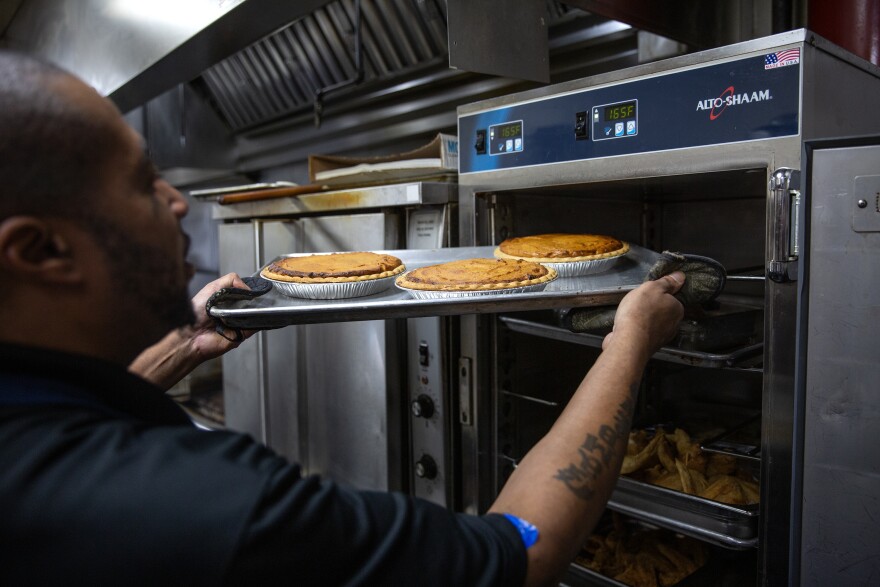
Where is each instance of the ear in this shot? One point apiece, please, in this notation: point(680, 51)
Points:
point(30, 248)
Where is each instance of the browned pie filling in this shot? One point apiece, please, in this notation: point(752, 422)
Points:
point(334, 267)
point(561, 247)
point(476, 274)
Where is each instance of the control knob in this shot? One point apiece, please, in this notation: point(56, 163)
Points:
point(426, 468)
point(422, 406)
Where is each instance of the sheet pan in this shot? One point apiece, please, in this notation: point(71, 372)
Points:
point(718, 523)
point(274, 310)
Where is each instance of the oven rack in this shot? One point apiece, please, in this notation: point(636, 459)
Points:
point(723, 568)
point(743, 441)
point(275, 310)
point(734, 527)
point(732, 358)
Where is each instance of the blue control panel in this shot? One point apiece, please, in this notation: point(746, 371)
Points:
point(615, 121)
point(747, 99)
point(506, 138)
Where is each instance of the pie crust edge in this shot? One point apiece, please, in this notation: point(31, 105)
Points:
point(621, 251)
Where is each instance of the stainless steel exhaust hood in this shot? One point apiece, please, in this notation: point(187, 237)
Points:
point(132, 51)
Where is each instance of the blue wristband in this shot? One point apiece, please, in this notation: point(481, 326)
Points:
point(527, 532)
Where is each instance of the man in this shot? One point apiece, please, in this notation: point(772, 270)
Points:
point(106, 482)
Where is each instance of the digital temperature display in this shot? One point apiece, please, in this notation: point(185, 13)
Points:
point(506, 138)
point(509, 131)
point(615, 121)
point(620, 111)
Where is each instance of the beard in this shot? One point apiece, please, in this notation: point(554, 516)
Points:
point(149, 282)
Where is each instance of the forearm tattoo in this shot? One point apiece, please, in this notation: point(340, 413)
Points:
point(598, 451)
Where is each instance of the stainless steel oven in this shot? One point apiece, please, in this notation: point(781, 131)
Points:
point(731, 154)
point(701, 154)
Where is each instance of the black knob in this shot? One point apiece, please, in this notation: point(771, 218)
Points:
point(426, 468)
point(422, 407)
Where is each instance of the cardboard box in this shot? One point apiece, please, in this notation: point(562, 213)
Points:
point(437, 161)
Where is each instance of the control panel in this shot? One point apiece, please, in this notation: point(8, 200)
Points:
point(745, 99)
point(616, 121)
point(426, 387)
point(506, 138)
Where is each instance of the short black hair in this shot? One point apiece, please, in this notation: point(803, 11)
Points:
point(53, 155)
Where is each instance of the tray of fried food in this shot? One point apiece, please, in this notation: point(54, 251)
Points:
point(675, 461)
point(628, 553)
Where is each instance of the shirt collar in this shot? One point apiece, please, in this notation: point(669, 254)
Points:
point(111, 385)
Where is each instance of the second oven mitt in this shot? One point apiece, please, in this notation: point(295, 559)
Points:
point(258, 286)
point(705, 279)
point(593, 320)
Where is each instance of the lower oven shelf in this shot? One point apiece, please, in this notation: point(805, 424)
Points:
point(730, 358)
point(633, 548)
point(274, 310)
point(722, 569)
point(718, 523)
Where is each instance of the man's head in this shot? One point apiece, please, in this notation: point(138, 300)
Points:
point(84, 217)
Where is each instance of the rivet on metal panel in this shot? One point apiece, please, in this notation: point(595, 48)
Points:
point(866, 197)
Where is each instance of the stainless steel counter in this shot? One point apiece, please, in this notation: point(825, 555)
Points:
point(412, 194)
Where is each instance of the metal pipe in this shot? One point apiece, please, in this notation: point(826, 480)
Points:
point(855, 26)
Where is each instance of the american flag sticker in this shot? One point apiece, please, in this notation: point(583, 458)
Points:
point(782, 58)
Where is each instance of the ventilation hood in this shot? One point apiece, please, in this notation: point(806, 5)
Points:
point(271, 57)
point(134, 50)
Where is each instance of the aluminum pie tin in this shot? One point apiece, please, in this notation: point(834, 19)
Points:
point(332, 291)
point(424, 294)
point(577, 268)
point(581, 268)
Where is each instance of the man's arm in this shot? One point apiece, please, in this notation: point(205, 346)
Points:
point(564, 482)
point(182, 350)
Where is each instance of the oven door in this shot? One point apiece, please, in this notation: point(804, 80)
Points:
point(835, 501)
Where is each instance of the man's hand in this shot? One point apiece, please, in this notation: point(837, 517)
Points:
point(182, 350)
point(206, 342)
point(649, 315)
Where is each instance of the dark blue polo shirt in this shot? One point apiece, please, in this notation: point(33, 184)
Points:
point(105, 481)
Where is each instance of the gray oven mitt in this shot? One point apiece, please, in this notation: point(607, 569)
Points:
point(705, 279)
point(258, 286)
point(705, 276)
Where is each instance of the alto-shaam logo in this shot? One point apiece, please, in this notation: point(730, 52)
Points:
point(730, 98)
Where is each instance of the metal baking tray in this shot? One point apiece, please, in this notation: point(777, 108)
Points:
point(722, 569)
point(667, 353)
point(743, 441)
point(715, 522)
point(274, 310)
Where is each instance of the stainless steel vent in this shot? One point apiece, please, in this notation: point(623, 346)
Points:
point(283, 72)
